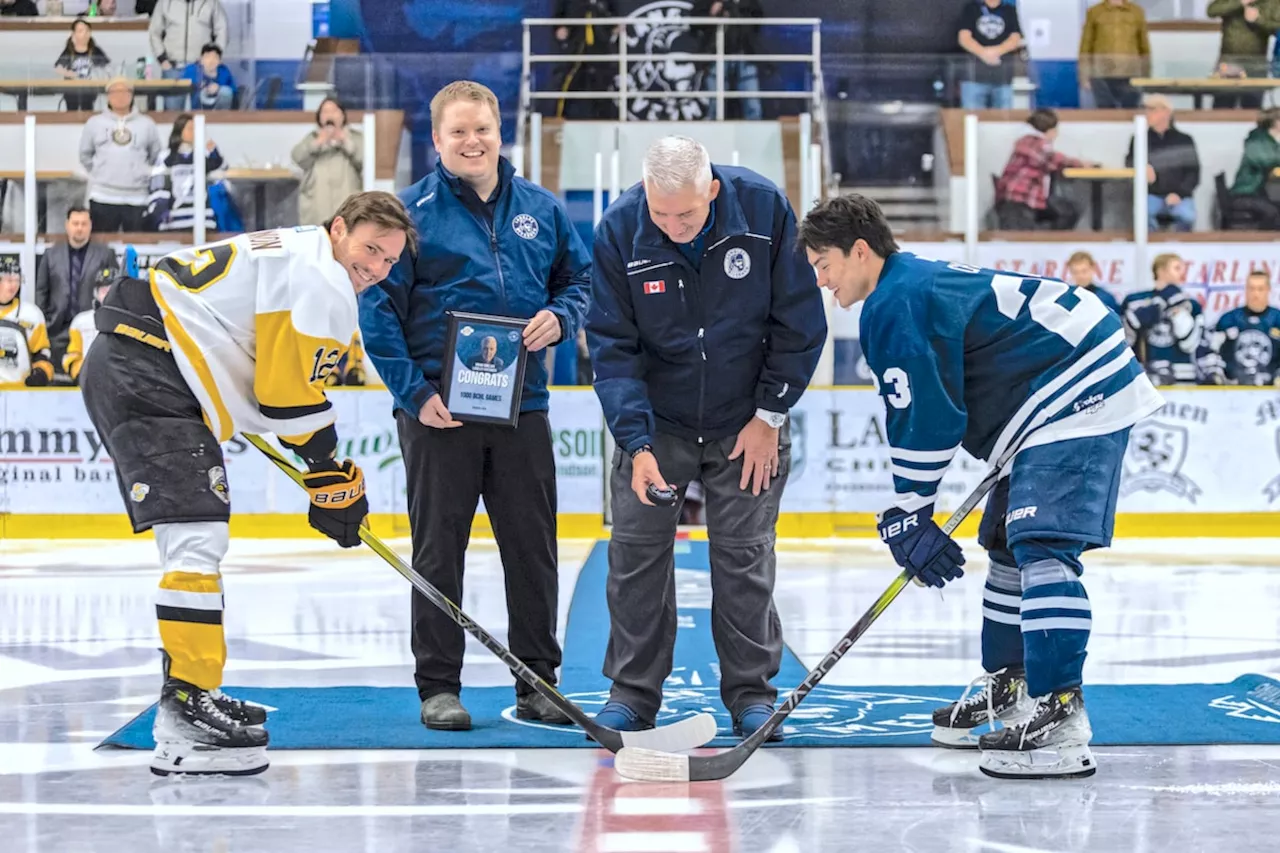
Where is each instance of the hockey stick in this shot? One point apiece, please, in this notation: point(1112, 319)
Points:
point(681, 735)
point(646, 765)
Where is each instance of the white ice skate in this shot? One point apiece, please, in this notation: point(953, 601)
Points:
point(1001, 697)
point(194, 736)
point(1053, 744)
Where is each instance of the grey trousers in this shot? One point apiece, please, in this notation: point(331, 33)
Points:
point(741, 529)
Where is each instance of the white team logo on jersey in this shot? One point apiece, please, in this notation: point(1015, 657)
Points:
point(1161, 334)
point(1153, 461)
point(525, 225)
point(1253, 350)
point(737, 263)
point(138, 493)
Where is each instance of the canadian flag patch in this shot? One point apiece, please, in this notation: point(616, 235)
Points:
point(655, 287)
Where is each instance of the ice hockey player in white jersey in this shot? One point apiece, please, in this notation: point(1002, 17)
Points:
point(1035, 376)
point(83, 331)
point(24, 340)
point(238, 335)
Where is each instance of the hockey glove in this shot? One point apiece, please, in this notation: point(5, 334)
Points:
point(919, 546)
point(338, 502)
point(41, 373)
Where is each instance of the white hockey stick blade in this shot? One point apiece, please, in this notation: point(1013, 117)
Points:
point(647, 765)
point(689, 733)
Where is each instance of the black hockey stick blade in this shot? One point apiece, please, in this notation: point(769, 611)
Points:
point(689, 733)
point(647, 765)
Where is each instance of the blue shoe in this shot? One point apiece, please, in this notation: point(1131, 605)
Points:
point(620, 718)
point(753, 717)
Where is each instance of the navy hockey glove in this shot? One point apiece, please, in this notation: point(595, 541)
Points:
point(338, 502)
point(919, 546)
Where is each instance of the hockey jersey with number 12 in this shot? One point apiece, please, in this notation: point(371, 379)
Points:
point(980, 359)
point(257, 323)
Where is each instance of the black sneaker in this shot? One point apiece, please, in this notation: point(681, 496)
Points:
point(244, 713)
point(536, 707)
point(1001, 697)
point(1052, 743)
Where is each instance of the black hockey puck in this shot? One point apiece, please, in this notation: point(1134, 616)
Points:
point(662, 497)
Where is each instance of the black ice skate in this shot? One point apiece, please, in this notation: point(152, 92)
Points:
point(1002, 697)
point(194, 736)
point(244, 713)
point(1053, 743)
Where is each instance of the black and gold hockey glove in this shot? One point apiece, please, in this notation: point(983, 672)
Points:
point(40, 375)
point(338, 502)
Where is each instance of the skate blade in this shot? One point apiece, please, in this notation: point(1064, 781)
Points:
point(1063, 762)
point(195, 760)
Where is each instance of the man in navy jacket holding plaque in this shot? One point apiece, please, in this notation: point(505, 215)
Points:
point(492, 244)
point(705, 328)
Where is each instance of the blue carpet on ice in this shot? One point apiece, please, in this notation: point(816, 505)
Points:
point(1245, 711)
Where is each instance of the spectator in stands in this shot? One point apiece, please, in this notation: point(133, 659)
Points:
point(171, 206)
point(989, 30)
point(1164, 325)
point(1173, 168)
point(25, 8)
point(117, 148)
point(331, 158)
point(179, 31)
point(1247, 26)
point(1082, 270)
point(1113, 48)
point(1023, 200)
point(1261, 158)
point(579, 40)
point(81, 59)
point(742, 76)
point(65, 276)
point(212, 86)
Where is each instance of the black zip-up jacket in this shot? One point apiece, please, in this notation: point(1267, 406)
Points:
point(1173, 155)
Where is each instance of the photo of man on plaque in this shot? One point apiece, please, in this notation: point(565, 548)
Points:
point(488, 355)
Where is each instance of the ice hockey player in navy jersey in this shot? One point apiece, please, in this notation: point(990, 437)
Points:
point(1035, 376)
point(1246, 341)
point(1165, 324)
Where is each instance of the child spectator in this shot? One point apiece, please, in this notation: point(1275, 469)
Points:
point(212, 86)
point(81, 59)
point(171, 206)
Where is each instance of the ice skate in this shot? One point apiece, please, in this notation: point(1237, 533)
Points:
point(244, 713)
point(195, 736)
point(1001, 697)
point(1053, 743)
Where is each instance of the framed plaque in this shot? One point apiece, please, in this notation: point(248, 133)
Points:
point(484, 361)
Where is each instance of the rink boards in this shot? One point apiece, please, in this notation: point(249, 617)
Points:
point(1208, 463)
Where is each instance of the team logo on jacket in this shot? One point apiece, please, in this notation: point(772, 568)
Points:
point(1153, 461)
point(218, 484)
point(525, 225)
point(651, 287)
point(737, 263)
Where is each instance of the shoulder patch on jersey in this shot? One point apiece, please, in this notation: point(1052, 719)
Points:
point(737, 263)
point(525, 226)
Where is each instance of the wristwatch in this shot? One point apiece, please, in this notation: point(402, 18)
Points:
point(773, 419)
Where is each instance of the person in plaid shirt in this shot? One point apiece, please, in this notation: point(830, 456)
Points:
point(1023, 202)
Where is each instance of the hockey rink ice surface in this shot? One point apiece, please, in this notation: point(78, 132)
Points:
point(78, 660)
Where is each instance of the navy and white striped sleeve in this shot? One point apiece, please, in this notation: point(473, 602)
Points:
point(921, 384)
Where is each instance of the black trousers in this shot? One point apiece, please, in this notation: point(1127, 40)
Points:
point(110, 218)
point(1114, 93)
point(1059, 214)
point(448, 471)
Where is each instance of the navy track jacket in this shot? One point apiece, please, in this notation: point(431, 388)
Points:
point(528, 258)
point(694, 353)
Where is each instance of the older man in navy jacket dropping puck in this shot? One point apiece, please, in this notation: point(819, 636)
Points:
point(705, 328)
point(491, 243)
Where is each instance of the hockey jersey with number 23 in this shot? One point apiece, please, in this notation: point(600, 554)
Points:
point(977, 358)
